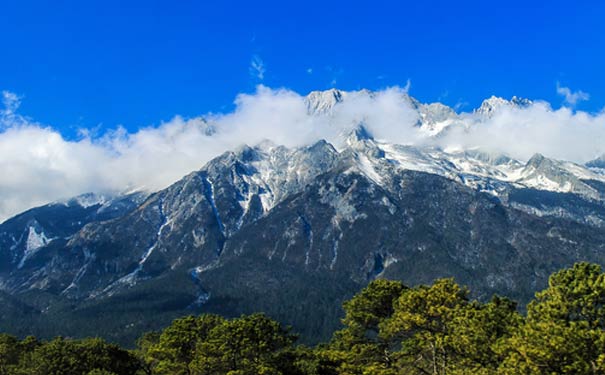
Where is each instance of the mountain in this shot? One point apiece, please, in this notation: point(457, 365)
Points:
point(23, 235)
point(491, 106)
point(293, 232)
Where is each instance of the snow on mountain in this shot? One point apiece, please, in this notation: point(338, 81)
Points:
point(89, 199)
point(320, 102)
point(246, 184)
point(273, 172)
point(262, 213)
point(481, 170)
point(36, 238)
point(597, 165)
point(475, 168)
point(434, 118)
point(490, 106)
point(561, 176)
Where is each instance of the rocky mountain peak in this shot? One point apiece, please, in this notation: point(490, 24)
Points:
point(537, 160)
point(597, 163)
point(360, 133)
point(319, 102)
point(492, 105)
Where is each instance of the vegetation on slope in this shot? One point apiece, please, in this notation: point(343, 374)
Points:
point(388, 329)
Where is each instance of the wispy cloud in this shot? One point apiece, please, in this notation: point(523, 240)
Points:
point(309, 70)
point(571, 97)
point(460, 105)
point(11, 102)
point(257, 67)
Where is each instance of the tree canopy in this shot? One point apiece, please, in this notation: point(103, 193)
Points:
point(387, 329)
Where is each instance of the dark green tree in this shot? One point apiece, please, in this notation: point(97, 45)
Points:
point(422, 323)
point(68, 357)
point(250, 345)
point(479, 332)
point(172, 352)
point(359, 345)
point(10, 354)
point(564, 331)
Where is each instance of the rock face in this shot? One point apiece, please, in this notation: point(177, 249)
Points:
point(294, 232)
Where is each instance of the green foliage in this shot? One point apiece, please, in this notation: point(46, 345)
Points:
point(247, 345)
point(10, 354)
point(480, 332)
point(64, 357)
point(391, 329)
point(176, 345)
point(564, 331)
point(422, 323)
point(359, 345)
point(388, 329)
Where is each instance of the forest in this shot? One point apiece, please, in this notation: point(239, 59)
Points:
point(388, 328)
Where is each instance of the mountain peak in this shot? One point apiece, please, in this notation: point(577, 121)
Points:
point(359, 134)
point(598, 162)
point(537, 160)
point(495, 103)
point(540, 164)
point(520, 102)
point(323, 101)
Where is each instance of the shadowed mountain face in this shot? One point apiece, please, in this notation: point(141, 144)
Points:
point(293, 233)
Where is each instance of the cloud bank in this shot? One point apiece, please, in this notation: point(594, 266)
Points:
point(38, 165)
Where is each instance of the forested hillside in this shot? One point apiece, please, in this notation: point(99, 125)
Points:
point(388, 329)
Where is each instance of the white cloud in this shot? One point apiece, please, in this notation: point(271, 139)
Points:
point(257, 67)
point(38, 164)
point(522, 132)
point(11, 102)
point(571, 97)
point(309, 70)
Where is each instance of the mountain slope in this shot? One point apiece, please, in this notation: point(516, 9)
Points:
point(295, 231)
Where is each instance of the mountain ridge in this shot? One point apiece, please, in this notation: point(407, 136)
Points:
point(274, 229)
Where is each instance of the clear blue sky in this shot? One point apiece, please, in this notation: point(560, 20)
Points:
point(136, 63)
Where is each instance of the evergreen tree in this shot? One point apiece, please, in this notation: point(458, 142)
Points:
point(9, 354)
point(176, 345)
point(389, 329)
point(359, 346)
point(68, 357)
point(564, 331)
point(422, 323)
point(249, 345)
point(479, 335)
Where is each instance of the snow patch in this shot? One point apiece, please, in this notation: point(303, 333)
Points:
point(35, 240)
point(367, 168)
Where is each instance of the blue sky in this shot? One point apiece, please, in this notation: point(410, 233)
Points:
point(97, 64)
point(123, 70)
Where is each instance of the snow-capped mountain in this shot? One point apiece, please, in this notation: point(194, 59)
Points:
point(25, 234)
point(276, 229)
point(492, 105)
point(433, 118)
